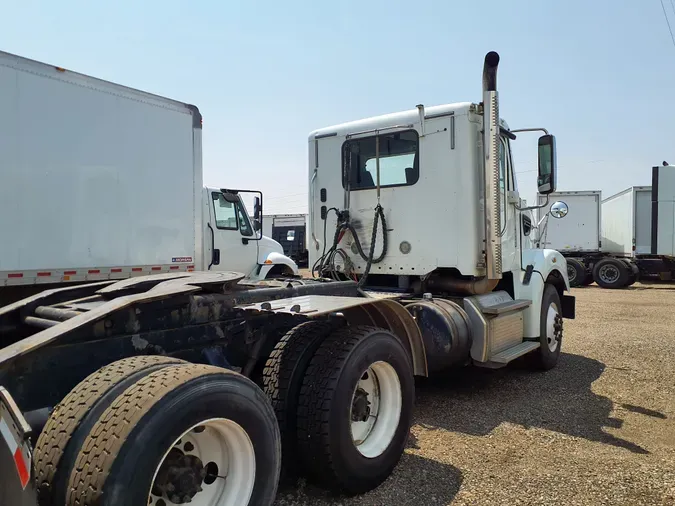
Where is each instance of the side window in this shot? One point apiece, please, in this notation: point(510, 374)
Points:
point(244, 223)
point(399, 160)
point(225, 212)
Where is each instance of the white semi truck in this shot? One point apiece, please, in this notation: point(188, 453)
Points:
point(617, 240)
point(114, 177)
point(207, 383)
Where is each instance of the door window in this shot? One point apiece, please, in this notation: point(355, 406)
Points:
point(225, 213)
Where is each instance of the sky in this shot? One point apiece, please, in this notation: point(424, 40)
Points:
point(597, 74)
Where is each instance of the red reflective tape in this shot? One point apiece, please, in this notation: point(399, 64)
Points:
point(94, 271)
point(15, 275)
point(156, 268)
point(115, 270)
point(191, 266)
point(136, 269)
point(21, 467)
point(174, 267)
point(44, 274)
point(70, 273)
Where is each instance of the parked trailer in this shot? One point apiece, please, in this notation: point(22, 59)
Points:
point(114, 177)
point(208, 381)
point(289, 230)
point(635, 239)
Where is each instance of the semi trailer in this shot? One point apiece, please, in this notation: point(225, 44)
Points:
point(216, 386)
point(117, 174)
point(617, 240)
point(289, 230)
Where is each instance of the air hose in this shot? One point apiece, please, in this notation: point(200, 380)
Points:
point(326, 263)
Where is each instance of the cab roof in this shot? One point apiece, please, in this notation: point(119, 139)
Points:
point(391, 120)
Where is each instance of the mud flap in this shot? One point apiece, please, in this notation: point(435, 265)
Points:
point(568, 304)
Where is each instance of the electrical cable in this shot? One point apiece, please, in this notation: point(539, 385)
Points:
point(665, 14)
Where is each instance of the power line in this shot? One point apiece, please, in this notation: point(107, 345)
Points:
point(665, 14)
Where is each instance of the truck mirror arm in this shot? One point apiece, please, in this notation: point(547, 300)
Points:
point(530, 208)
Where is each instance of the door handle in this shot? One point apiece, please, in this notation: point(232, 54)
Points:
point(215, 253)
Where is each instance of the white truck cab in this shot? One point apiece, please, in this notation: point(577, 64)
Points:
point(426, 200)
point(236, 242)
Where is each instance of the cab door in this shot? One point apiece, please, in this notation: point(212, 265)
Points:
point(234, 246)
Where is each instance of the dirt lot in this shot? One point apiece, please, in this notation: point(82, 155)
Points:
point(597, 430)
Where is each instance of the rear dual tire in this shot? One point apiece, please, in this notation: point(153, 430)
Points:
point(355, 409)
point(72, 419)
point(223, 416)
point(576, 272)
point(613, 273)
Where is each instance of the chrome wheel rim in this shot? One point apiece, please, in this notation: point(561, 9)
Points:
point(609, 273)
point(553, 327)
point(211, 464)
point(375, 410)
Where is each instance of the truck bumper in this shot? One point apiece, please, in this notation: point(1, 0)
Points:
point(16, 486)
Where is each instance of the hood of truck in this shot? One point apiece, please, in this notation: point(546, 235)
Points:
point(267, 245)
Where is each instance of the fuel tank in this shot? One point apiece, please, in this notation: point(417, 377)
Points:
point(446, 332)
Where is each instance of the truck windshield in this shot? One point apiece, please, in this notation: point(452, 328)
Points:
point(399, 160)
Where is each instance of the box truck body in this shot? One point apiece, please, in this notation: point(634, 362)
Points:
point(627, 222)
point(101, 181)
point(636, 237)
point(580, 230)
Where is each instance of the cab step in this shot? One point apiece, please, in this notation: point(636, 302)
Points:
point(510, 354)
point(506, 307)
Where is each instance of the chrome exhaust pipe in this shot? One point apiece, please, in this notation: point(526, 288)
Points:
point(493, 225)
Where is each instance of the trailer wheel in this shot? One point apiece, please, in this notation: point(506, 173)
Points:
point(551, 323)
point(282, 379)
point(576, 271)
point(611, 273)
point(70, 422)
point(588, 279)
point(633, 272)
point(184, 434)
point(355, 409)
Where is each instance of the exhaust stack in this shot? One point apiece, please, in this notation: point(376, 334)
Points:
point(493, 225)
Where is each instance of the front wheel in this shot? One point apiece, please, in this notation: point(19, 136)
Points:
point(184, 434)
point(355, 409)
point(551, 325)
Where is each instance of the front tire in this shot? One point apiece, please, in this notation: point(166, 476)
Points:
point(187, 433)
point(550, 338)
point(355, 409)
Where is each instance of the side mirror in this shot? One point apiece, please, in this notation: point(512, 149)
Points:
point(258, 215)
point(547, 170)
point(559, 209)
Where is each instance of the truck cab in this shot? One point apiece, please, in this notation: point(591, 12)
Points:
point(235, 241)
point(426, 201)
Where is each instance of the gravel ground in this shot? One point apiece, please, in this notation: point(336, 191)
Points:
point(597, 430)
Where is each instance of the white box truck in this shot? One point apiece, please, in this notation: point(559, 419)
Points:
point(289, 230)
point(634, 239)
point(100, 181)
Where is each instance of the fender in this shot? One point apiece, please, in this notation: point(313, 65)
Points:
point(273, 259)
point(549, 265)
